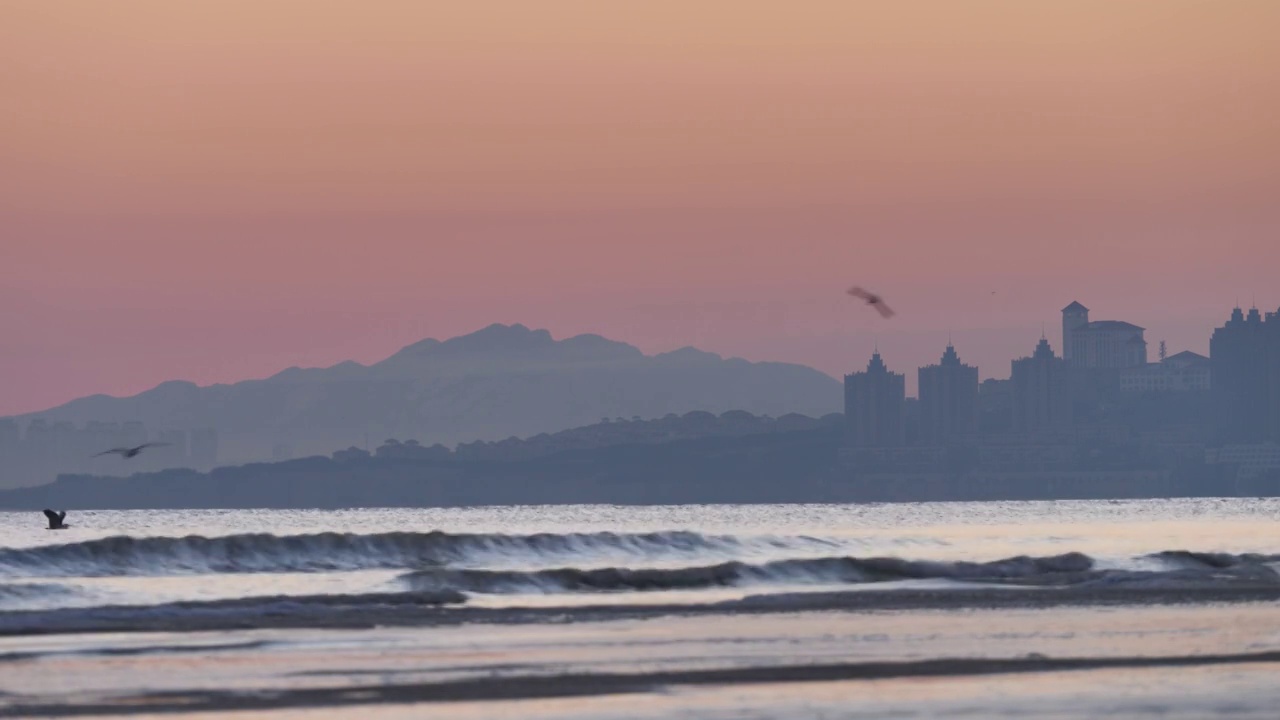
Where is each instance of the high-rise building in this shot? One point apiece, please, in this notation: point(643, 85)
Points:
point(995, 407)
point(1273, 378)
point(1075, 317)
point(874, 406)
point(1108, 344)
point(1243, 355)
point(1042, 405)
point(948, 400)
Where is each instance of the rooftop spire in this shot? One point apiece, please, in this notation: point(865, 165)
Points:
point(949, 356)
point(1043, 350)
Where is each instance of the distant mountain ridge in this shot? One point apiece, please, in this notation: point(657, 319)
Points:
point(500, 381)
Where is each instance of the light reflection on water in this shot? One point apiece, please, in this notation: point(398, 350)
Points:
point(903, 524)
point(1115, 533)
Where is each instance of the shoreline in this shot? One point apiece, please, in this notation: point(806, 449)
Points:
point(440, 609)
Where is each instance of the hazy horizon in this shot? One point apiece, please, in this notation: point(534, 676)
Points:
point(857, 366)
point(217, 192)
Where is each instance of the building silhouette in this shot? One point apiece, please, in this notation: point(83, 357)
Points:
point(1243, 357)
point(948, 400)
point(1273, 376)
point(874, 406)
point(1181, 372)
point(1042, 404)
point(1105, 344)
point(995, 407)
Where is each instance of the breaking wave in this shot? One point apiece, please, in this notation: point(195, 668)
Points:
point(264, 552)
point(588, 562)
point(1070, 569)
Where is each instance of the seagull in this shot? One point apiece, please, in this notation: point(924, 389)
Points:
point(872, 299)
point(127, 452)
point(55, 519)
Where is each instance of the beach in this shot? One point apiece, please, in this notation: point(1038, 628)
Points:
point(716, 612)
point(1082, 661)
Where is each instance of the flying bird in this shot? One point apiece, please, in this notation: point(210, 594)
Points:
point(871, 299)
point(55, 519)
point(128, 452)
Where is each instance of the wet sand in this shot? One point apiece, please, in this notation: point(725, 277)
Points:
point(770, 663)
point(444, 609)
point(599, 684)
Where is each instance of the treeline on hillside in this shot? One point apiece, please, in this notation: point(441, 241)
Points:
point(608, 432)
point(762, 467)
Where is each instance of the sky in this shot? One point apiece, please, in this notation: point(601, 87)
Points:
point(215, 191)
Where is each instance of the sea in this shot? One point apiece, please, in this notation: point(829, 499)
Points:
point(1064, 609)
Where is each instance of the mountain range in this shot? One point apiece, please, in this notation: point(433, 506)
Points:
point(501, 381)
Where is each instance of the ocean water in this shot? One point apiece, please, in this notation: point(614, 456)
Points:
point(518, 556)
point(647, 612)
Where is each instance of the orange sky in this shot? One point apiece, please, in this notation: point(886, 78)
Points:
point(217, 190)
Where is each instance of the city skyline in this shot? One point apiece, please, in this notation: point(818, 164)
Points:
point(1102, 392)
point(1001, 369)
point(1057, 345)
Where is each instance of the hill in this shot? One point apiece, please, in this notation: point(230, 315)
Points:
point(502, 381)
point(772, 464)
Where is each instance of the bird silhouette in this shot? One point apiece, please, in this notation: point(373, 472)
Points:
point(871, 299)
point(55, 519)
point(128, 452)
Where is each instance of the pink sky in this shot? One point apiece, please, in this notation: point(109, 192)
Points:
point(215, 191)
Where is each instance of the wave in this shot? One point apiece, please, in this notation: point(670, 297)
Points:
point(248, 612)
point(19, 596)
point(1070, 569)
point(30, 591)
point(264, 552)
point(829, 570)
point(1222, 561)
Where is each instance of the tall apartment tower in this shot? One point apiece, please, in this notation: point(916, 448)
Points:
point(1042, 394)
point(1074, 317)
point(1243, 357)
point(1272, 325)
point(948, 400)
point(874, 404)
